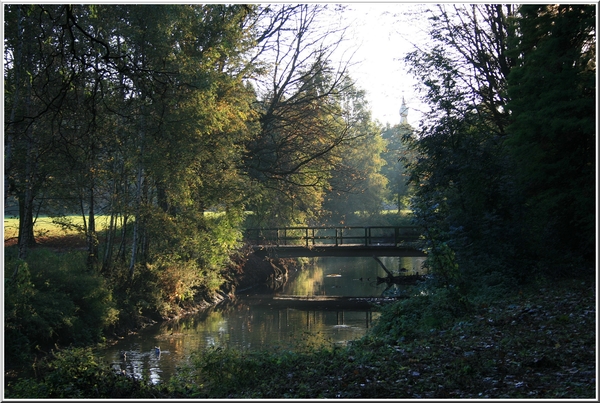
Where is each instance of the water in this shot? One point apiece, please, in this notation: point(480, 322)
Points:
point(260, 321)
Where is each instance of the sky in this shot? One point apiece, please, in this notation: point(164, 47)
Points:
point(383, 33)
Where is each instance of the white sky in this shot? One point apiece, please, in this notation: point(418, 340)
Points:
point(383, 33)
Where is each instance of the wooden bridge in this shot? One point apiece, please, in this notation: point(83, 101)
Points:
point(336, 241)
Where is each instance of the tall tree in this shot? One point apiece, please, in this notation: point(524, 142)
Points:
point(300, 114)
point(145, 106)
point(464, 198)
point(395, 170)
point(475, 39)
point(356, 184)
point(553, 101)
point(40, 71)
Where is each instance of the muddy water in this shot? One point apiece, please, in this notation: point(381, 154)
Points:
point(257, 320)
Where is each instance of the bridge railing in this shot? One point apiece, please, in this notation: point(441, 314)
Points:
point(332, 236)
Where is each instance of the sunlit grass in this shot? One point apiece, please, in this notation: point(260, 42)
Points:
point(403, 212)
point(47, 227)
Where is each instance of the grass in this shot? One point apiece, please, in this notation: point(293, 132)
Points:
point(47, 227)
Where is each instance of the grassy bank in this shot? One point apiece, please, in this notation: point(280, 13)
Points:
point(538, 342)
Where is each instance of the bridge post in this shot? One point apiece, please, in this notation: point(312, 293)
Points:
point(336, 237)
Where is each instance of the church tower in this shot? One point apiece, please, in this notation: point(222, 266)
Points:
point(403, 113)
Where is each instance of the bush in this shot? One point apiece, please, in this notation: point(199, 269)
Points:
point(77, 373)
point(228, 373)
point(53, 299)
point(429, 309)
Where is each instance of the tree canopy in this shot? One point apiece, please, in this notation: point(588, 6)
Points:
point(504, 160)
point(171, 122)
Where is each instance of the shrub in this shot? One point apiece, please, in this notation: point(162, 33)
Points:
point(77, 373)
point(430, 308)
point(53, 299)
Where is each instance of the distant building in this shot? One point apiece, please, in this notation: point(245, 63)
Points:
point(403, 113)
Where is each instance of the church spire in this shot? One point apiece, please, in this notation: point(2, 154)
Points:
point(403, 113)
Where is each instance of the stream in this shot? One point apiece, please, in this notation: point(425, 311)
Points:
point(277, 320)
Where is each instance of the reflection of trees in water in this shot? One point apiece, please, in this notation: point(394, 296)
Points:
point(307, 281)
point(347, 276)
point(248, 322)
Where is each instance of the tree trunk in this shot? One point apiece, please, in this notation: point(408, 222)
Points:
point(121, 250)
point(92, 238)
point(136, 226)
point(26, 238)
point(111, 230)
point(9, 134)
point(109, 243)
point(138, 201)
point(161, 198)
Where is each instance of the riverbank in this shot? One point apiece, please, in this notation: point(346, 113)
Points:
point(247, 272)
point(54, 302)
point(538, 342)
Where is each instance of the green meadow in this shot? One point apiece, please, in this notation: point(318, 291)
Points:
point(46, 226)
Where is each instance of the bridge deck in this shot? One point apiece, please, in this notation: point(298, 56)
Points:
point(336, 241)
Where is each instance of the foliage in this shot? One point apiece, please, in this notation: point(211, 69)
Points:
point(430, 308)
point(77, 373)
point(52, 299)
point(552, 100)
point(493, 190)
point(395, 156)
point(186, 260)
point(462, 197)
point(164, 113)
point(356, 186)
point(308, 111)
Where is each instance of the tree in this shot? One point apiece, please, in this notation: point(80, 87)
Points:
point(475, 39)
point(464, 197)
point(171, 120)
point(39, 74)
point(394, 169)
point(356, 184)
point(552, 135)
point(147, 110)
point(301, 118)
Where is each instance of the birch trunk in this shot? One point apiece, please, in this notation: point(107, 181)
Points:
point(138, 200)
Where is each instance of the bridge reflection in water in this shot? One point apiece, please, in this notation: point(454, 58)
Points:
point(336, 241)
